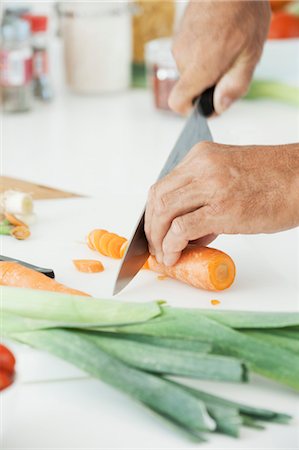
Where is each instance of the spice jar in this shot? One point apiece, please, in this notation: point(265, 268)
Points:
point(16, 66)
point(97, 45)
point(40, 64)
point(162, 73)
point(152, 19)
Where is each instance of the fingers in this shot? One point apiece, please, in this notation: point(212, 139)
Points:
point(155, 202)
point(191, 84)
point(167, 200)
point(183, 229)
point(233, 84)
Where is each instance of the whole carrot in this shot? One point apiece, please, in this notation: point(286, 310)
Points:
point(16, 275)
point(201, 267)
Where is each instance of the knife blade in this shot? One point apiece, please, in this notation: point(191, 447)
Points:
point(195, 130)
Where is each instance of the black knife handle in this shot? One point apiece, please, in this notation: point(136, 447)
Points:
point(48, 272)
point(206, 102)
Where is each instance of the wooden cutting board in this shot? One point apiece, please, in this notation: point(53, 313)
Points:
point(38, 192)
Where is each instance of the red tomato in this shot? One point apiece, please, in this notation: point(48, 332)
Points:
point(6, 379)
point(276, 5)
point(7, 360)
point(283, 26)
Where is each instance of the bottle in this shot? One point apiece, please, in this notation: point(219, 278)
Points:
point(15, 66)
point(162, 72)
point(40, 64)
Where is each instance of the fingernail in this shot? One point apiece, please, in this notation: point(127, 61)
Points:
point(169, 259)
point(225, 103)
point(159, 257)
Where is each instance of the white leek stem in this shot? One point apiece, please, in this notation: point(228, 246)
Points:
point(15, 202)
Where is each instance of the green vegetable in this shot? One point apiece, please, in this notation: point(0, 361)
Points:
point(136, 347)
point(171, 361)
point(272, 362)
point(5, 229)
point(273, 90)
point(161, 395)
point(71, 310)
point(252, 319)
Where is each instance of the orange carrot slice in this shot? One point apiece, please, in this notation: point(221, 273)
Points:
point(21, 232)
point(104, 241)
point(123, 248)
point(88, 265)
point(114, 246)
point(215, 302)
point(201, 267)
point(16, 275)
point(94, 237)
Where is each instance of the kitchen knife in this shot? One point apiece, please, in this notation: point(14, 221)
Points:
point(195, 130)
point(48, 272)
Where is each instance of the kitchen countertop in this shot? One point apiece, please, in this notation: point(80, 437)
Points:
point(110, 149)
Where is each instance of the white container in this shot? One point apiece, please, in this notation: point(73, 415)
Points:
point(97, 45)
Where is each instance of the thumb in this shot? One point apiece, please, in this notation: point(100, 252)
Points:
point(232, 85)
point(189, 86)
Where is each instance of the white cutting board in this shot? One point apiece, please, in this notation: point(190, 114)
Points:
point(52, 395)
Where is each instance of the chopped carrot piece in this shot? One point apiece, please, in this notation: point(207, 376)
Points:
point(215, 302)
point(114, 246)
point(104, 241)
point(14, 221)
point(94, 237)
point(20, 232)
point(88, 265)
point(123, 249)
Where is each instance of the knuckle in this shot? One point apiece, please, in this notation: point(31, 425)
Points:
point(152, 192)
point(161, 205)
point(179, 226)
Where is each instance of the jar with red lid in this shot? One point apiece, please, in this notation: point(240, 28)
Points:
point(162, 72)
point(39, 42)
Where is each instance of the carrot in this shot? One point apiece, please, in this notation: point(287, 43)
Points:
point(88, 265)
point(16, 275)
point(20, 232)
point(106, 243)
point(123, 249)
point(215, 302)
point(94, 237)
point(201, 267)
point(114, 246)
point(14, 221)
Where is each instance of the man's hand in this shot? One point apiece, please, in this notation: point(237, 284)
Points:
point(220, 189)
point(220, 42)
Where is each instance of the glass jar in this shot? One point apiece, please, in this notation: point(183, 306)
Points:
point(152, 20)
point(162, 73)
point(16, 66)
point(97, 45)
